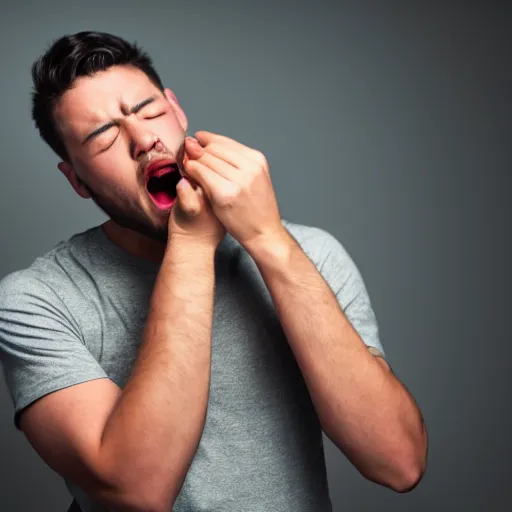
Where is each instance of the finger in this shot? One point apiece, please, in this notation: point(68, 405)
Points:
point(216, 156)
point(236, 159)
point(205, 138)
point(193, 149)
point(220, 166)
point(207, 179)
point(188, 198)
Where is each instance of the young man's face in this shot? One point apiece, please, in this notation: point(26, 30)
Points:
point(109, 166)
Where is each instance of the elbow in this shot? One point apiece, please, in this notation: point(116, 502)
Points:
point(411, 467)
point(409, 478)
point(156, 506)
point(135, 486)
point(401, 477)
point(142, 497)
point(150, 499)
point(143, 503)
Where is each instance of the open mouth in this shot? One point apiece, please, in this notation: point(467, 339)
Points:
point(161, 185)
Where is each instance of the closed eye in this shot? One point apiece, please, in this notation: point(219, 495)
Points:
point(147, 117)
point(109, 146)
point(153, 117)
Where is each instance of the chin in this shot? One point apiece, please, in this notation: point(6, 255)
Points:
point(157, 232)
point(155, 226)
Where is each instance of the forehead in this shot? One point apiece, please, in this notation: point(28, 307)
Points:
point(97, 98)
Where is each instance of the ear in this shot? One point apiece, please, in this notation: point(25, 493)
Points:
point(173, 100)
point(68, 170)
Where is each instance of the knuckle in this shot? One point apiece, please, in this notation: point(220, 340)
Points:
point(253, 171)
point(228, 196)
point(249, 178)
point(193, 211)
point(260, 158)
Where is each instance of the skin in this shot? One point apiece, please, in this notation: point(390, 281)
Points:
point(109, 167)
point(361, 404)
point(153, 425)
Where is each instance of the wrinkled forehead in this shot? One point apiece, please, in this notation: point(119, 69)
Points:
point(96, 99)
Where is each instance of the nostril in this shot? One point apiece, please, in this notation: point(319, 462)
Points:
point(138, 150)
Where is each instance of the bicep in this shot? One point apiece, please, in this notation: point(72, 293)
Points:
point(62, 397)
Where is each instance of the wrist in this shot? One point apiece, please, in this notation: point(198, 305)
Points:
point(272, 248)
point(190, 252)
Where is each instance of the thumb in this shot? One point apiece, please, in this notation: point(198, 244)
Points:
point(189, 199)
point(193, 150)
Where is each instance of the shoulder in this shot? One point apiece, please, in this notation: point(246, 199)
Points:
point(28, 300)
point(332, 260)
point(322, 247)
point(25, 282)
point(48, 276)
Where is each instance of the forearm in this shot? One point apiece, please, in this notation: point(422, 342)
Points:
point(153, 433)
point(362, 407)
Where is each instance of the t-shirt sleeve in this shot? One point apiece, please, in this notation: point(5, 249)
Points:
point(342, 275)
point(41, 347)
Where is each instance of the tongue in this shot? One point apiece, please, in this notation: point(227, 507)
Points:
point(162, 199)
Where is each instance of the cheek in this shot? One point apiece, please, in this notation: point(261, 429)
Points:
point(113, 174)
point(112, 164)
point(168, 128)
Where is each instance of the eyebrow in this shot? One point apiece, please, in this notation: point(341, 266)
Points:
point(134, 110)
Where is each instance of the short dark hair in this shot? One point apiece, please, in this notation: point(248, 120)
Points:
point(71, 57)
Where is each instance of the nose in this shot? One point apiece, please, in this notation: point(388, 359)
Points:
point(141, 141)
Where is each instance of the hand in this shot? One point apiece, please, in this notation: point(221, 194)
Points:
point(192, 218)
point(236, 181)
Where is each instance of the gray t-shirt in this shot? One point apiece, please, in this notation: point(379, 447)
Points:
point(77, 313)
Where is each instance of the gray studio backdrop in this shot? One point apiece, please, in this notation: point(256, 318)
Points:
point(385, 123)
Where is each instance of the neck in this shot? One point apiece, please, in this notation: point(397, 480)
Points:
point(134, 242)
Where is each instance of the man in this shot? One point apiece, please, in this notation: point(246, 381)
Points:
point(188, 353)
